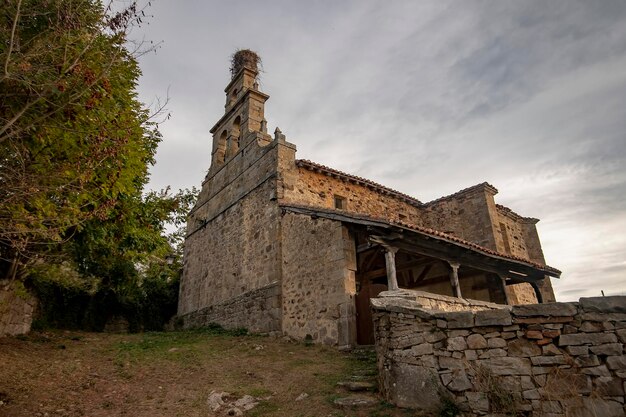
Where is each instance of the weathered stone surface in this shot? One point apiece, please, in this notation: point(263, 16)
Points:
point(457, 343)
point(608, 349)
point(596, 371)
point(577, 350)
point(356, 385)
point(413, 387)
point(423, 349)
point(584, 361)
point(534, 334)
point(586, 339)
point(617, 363)
point(551, 350)
point(593, 407)
point(492, 353)
point(478, 401)
point(547, 309)
point(523, 348)
point(609, 386)
point(496, 342)
point(459, 320)
point(450, 363)
point(460, 381)
point(493, 318)
point(611, 304)
point(355, 401)
point(507, 366)
point(548, 360)
point(476, 341)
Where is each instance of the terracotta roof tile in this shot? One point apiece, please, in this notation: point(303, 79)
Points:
point(510, 212)
point(427, 231)
point(312, 166)
point(483, 185)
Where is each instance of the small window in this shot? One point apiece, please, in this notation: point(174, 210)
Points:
point(340, 202)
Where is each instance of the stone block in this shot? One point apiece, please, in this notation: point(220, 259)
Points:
point(413, 387)
point(534, 334)
point(476, 341)
point(551, 350)
point(608, 349)
point(577, 350)
point(609, 386)
point(548, 360)
point(621, 334)
point(584, 361)
point(586, 339)
point(459, 382)
point(611, 304)
point(546, 309)
point(523, 348)
point(617, 317)
point(423, 349)
point(496, 342)
point(478, 402)
point(493, 318)
point(450, 363)
point(596, 371)
point(493, 353)
point(593, 407)
point(507, 366)
point(617, 363)
point(471, 355)
point(551, 333)
point(459, 319)
point(456, 343)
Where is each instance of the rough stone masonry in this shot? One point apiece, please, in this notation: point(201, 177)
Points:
point(550, 360)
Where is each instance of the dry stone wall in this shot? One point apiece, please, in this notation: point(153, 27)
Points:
point(554, 360)
point(16, 309)
point(430, 301)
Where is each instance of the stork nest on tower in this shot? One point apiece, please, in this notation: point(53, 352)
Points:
point(244, 58)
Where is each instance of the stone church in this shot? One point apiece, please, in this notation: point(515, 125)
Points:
point(287, 246)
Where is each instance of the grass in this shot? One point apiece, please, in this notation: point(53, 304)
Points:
point(173, 373)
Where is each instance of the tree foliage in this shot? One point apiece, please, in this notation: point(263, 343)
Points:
point(73, 136)
point(75, 148)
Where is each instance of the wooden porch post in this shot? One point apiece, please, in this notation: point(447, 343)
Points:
point(390, 262)
point(454, 278)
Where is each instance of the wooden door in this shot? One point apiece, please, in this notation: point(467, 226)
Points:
point(364, 323)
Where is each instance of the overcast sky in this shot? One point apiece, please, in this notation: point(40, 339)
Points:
point(427, 97)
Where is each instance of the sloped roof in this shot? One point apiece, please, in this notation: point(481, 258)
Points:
point(312, 166)
point(424, 231)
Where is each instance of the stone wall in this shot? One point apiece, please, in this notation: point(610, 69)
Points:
point(555, 359)
point(319, 190)
point(430, 301)
point(16, 309)
point(233, 254)
point(318, 280)
point(467, 214)
point(258, 310)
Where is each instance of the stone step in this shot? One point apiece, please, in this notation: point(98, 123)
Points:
point(356, 386)
point(360, 400)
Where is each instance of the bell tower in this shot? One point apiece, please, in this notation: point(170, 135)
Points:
point(244, 111)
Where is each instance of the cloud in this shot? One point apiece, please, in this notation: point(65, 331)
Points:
point(426, 97)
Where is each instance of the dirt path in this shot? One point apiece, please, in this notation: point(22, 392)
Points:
point(171, 374)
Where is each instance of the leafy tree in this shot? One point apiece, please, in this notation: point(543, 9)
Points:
point(75, 147)
point(74, 139)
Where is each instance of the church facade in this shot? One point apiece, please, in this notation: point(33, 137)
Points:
point(287, 246)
